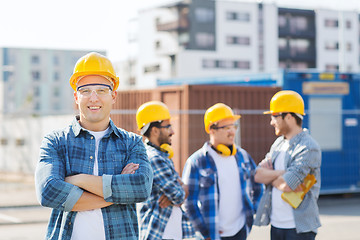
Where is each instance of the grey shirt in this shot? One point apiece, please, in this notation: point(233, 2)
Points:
point(303, 157)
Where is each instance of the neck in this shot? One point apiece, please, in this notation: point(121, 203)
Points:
point(154, 141)
point(95, 127)
point(293, 133)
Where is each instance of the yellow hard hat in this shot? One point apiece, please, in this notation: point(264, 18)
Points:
point(286, 101)
point(94, 64)
point(216, 113)
point(151, 112)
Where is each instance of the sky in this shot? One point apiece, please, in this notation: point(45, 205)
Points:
point(95, 24)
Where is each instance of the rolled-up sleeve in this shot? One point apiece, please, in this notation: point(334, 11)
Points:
point(130, 188)
point(166, 180)
point(51, 189)
point(305, 159)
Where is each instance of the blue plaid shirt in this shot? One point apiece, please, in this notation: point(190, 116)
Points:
point(153, 218)
point(71, 151)
point(202, 203)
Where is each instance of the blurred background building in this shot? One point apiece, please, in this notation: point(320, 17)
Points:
point(201, 38)
point(36, 81)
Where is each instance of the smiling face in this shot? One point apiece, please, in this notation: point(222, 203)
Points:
point(94, 107)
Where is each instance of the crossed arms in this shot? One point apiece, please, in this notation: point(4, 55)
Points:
point(266, 174)
point(93, 196)
point(80, 192)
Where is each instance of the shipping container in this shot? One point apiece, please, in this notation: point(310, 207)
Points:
point(332, 107)
point(188, 103)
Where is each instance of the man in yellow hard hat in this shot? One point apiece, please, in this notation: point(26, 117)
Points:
point(160, 216)
point(92, 173)
point(292, 157)
point(223, 196)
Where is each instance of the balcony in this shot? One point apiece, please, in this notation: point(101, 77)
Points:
point(179, 26)
point(298, 55)
point(296, 33)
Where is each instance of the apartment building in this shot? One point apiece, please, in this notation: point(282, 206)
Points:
point(201, 38)
point(36, 81)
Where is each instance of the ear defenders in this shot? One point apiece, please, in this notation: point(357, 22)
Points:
point(166, 148)
point(225, 150)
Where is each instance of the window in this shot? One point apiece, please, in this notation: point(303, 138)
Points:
point(243, 64)
point(208, 63)
point(331, 67)
point(205, 40)
point(282, 21)
point(348, 46)
point(56, 60)
point(56, 76)
point(331, 45)
point(35, 59)
point(226, 64)
point(282, 43)
point(238, 16)
point(299, 46)
point(348, 24)
point(157, 45)
point(19, 142)
point(301, 23)
point(35, 75)
point(152, 68)
point(236, 40)
point(244, 17)
point(331, 23)
point(299, 65)
point(3, 141)
point(204, 15)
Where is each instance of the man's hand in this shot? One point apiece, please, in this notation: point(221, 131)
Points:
point(130, 168)
point(164, 202)
point(266, 163)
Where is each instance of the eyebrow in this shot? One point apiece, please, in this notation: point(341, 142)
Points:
point(94, 84)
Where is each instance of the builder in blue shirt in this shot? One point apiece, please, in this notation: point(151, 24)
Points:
point(92, 173)
point(160, 217)
point(223, 195)
point(292, 157)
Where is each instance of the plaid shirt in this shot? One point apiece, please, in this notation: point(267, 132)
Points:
point(153, 218)
point(202, 204)
point(71, 151)
point(303, 157)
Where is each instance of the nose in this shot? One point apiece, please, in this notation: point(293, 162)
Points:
point(93, 95)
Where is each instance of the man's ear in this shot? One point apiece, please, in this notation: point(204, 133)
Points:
point(114, 95)
point(76, 98)
point(154, 131)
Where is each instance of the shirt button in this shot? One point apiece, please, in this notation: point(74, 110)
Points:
point(92, 137)
point(91, 157)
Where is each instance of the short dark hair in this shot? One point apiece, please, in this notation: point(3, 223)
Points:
point(153, 124)
point(297, 119)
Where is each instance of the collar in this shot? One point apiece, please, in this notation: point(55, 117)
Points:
point(76, 127)
point(297, 137)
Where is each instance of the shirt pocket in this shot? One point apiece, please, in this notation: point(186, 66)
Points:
point(114, 162)
point(207, 178)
